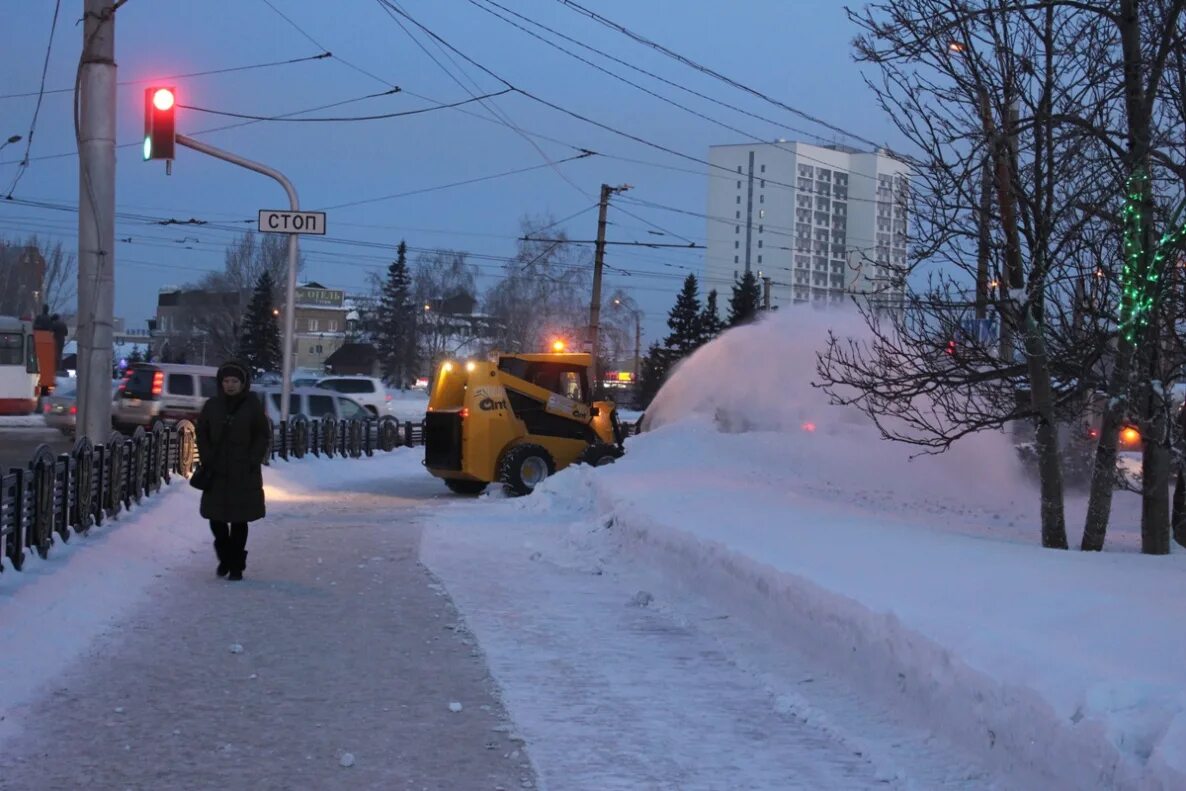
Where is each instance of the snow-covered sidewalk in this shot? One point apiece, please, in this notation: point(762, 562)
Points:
point(337, 663)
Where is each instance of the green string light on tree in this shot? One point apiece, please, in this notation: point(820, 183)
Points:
point(1138, 281)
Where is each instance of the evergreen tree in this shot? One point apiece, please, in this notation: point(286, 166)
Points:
point(684, 320)
point(136, 356)
point(259, 341)
point(710, 319)
point(396, 335)
point(654, 370)
point(747, 297)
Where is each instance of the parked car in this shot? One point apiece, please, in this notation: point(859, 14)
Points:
point(312, 402)
point(366, 390)
point(162, 391)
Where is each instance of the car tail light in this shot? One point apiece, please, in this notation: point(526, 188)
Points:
point(808, 426)
point(388, 396)
point(45, 409)
point(464, 413)
point(158, 383)
point(73, 409)
point(1093, 433)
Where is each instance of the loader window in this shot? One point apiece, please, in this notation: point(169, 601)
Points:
point(570, 385)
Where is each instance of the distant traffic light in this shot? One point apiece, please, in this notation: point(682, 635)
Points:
point(160, 128)
point(950, 350)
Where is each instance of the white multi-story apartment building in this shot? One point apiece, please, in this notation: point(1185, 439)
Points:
point(820, 222)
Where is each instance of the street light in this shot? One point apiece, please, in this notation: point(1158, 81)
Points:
point(637, 338)
point(13, 139)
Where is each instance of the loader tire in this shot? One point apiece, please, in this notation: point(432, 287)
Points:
point(598, 454)
point(524, 467)
point(463, 486)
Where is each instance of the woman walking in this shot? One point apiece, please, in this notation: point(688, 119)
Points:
point(233, 438)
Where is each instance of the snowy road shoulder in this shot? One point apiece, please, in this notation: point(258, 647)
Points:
point(53, 609)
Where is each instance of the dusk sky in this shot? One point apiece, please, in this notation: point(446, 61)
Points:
point(797, 51)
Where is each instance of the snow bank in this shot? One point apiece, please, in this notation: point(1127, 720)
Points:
point(53, 609)
point(922, 579)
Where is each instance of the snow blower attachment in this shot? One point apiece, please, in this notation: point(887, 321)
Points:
point(516, 421)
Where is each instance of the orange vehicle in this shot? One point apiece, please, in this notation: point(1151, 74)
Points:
point(43, 342)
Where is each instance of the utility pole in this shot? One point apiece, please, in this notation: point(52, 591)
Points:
point(766, 293)
point(96, 218)
point(598, 263)
point(637, 345)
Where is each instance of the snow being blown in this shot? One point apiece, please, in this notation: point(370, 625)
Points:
point(760, 378)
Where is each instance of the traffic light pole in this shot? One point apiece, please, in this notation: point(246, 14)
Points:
point(96, 219)
point(290, 294)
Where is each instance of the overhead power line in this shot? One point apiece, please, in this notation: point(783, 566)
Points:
point(24, 165)
point(609, 23)
point(343, 119)
point(168, 77)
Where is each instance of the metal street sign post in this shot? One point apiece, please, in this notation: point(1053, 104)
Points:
point(278, 221)
point(292, 218)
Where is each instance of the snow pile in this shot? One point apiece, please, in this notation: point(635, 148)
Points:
point(921, 579)
point(758, 378)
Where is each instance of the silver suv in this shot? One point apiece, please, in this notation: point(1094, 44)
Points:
point(366, 390)
point(313, 403)
point(162, 391)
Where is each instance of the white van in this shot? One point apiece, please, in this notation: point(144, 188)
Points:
point(312, 402)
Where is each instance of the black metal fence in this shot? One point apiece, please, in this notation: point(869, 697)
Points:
point(53, 497)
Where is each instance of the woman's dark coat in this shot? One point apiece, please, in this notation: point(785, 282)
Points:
point(233, 438)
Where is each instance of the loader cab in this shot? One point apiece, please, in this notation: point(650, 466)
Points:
point(567, 378)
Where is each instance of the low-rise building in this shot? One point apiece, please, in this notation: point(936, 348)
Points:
point(320, 324)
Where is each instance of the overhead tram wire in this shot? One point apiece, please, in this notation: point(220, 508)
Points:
point(342, 119)
point(475, 180)
point(661, 79)
point(627, 64)
point(609, 23)
point(211, 227)
point(188, 75)
point(24, 163)
point(324, 48)
point(392, 8)
point(225, 127)
point(587, 120)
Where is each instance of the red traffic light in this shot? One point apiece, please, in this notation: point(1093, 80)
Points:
point(160, 108)
point(950, 350)
point(163, 99)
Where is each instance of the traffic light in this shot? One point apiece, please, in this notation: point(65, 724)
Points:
point(160, 128)
point(950, 348)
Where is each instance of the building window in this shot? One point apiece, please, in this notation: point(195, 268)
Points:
point(313, 325)
point(760, 228)
point(739, 185)
point(763, 183)
point(759, 243)
point(331, 326)
point(759, 259)
point(739, 199)
point(736, 229)
point(763, 168)
point(736, 258)
point(737, 245)
point(737, 215)
point(739, 168)
point(761, 214)
point(761, 199)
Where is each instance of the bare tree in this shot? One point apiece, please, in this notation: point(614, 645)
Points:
point(1012, 199)
point(544, 290)
point(444, 289)
point(213, 321)
point(21, 264)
